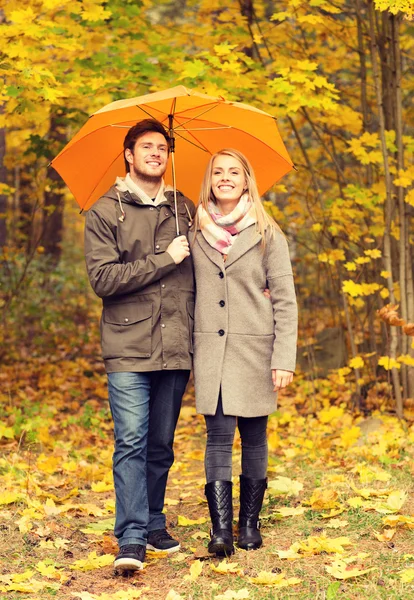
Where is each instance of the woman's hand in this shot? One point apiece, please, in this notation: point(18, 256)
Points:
point(281, 379)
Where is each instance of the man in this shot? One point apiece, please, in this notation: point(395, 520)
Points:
point(143, 273)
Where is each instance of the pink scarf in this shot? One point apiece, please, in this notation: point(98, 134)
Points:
point(221, 231)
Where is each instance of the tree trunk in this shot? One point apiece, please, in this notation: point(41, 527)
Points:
point(3, 179)
point(54, 199)
point(388, 206)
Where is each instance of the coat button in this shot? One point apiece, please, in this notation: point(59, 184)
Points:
point(163, 325)
point(126, 320)
point(164, 365)
point(221, 275)
point(221, 332)
point(163, 285)
point(157, 247)
point(222, 303)
point(151, 208)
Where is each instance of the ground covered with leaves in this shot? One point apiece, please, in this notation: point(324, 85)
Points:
point(338, 520)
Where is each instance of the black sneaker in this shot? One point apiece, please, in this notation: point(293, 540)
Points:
point(130, 558)
point(160, 540)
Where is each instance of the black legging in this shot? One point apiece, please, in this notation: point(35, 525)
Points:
point(220, 436)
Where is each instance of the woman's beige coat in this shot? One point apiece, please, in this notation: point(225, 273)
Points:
point(239, 334)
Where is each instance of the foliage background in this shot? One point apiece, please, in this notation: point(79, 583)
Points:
point(338, 75)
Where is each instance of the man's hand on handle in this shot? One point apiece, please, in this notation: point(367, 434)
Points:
point(179, 249)
point(281, 379)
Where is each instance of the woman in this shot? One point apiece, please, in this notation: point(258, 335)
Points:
point(244, 342)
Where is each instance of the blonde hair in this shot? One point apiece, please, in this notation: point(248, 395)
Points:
point(264, 222)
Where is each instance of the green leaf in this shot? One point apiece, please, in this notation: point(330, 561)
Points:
point(331, 592)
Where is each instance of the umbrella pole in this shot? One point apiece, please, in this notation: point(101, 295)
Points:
point(172, 151)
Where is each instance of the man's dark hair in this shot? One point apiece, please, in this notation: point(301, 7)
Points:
point(138, 130)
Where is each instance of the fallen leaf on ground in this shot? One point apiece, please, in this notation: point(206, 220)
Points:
point(200, 535)
point(340, 570)
point(286, 511)
point(195, 571)
point(407, 576)
point(92, 562)
point(224, 567)
point(184, 522)
point(385, 536)
point(274, 579)
point(333, 513)
point(337, 523)
point(318, 544)
point(322, 499)
point(395, 520)
point(284, 485)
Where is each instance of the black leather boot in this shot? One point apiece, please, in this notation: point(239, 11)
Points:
point(251, 499)
point(220, 504)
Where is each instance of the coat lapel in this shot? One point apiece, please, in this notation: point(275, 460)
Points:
point(212, 254)
point(247, 239)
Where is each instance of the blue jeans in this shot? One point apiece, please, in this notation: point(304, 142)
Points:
point(145, 409)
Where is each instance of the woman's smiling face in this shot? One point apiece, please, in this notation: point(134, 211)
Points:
point(227, 181)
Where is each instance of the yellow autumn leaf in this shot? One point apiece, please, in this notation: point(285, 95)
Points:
point(340, 570)
point(184, 522)
point(92, 562)
point(50, 571)
point(388, 363)
point(224, 567)
point(171, 502)
point(172, 595)
point(6, 432)
point(323, 498)
point(350, 266)
point(10, 497)
point(396, 500)
point(395, 520)
point(407, 576)
point(409, 197)
point(336, 523)
point(368, 474)
point(179, 557)
point(357, 362)
point(375, 253)
point(29, 587)
point(334, 512)
point(283, 485)
point(200, 535)
point(195, 571)
point(233, 595)
point(385, 536)
point(102, 486)
point(274, 579)
point(286, 511)
point(318, 544)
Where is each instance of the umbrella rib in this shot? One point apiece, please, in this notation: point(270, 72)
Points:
point(197, 140)
point(190, 142)
point(196, 117)
point(203, 128)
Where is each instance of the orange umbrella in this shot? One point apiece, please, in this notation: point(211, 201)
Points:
point(200, 124)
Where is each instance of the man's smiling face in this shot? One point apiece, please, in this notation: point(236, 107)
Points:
point(150, 156)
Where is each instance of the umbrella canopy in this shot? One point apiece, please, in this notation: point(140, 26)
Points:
point(202, 125)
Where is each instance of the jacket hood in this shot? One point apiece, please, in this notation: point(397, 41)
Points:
point(115, 193)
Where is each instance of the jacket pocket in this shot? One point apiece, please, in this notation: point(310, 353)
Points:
point(126, 330)
point(190, 312)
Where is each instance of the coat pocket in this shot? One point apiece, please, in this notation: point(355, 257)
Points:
point(126, 330)
point(190, 312)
